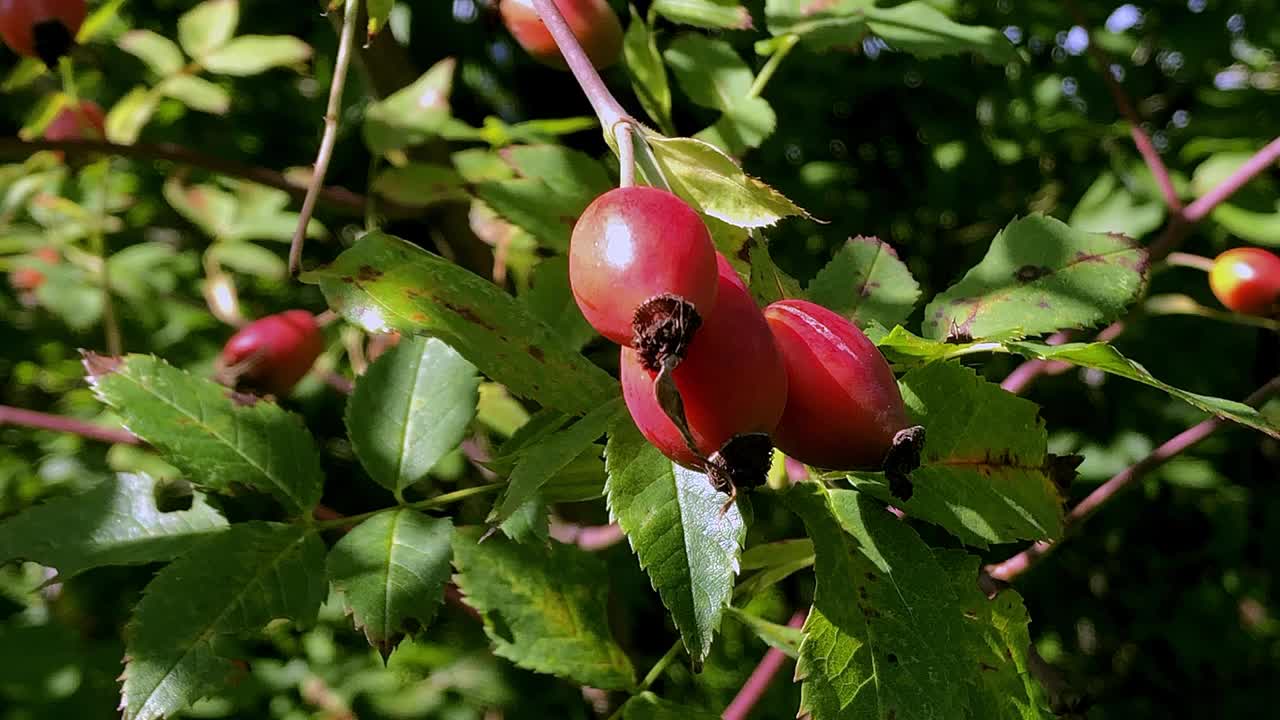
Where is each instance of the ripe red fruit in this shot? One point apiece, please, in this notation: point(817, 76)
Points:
point(732, 380)
point(44, 29)
point(1247, 280)
point(275, 352)
point(593, 22)
point(843, 404)
point(88, 122)
point(634, 244)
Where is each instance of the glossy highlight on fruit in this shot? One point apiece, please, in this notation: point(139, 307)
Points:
point(1247, 280)
point(843, 404)
point(275, 352)
point(633, 244)
point(732, 381)
point(88, 122)
point(44, 29)
point(593, 22)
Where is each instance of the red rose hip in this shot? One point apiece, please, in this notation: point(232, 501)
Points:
point(1247, 280)
point(732, 381)
point(844, 409)
point(44, 29)
point(88, 122)
point(274, 352)
point(593, 23)
point(633, 245)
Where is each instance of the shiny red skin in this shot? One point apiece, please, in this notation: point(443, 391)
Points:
point(843, 404)
point(1247, 280)
point(632, 244)
point(732, 381)
point(286, 346)
point(593, 22)
point(18, 19)
point(87, 123)
point(29, 279)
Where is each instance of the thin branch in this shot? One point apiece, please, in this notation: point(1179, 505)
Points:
point(1265, 158)
point(330, 138)
point(588, 537)
point(1181, 259)
point(59, 423)
point(786, 43)
point(626, 155)
point(761, 678)
point(606, 106)
point(1011, 569)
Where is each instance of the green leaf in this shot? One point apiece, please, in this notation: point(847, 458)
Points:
point(866, 282)
point(684, 535)
point(234, 583)
point(648, 74)
point(768, 282)
point(130, 114)
point(420, 185)
point(217, 442)
point(544, 607)
point(704, 176)
point(196, 93)
point(410, 409)
point(255, 54)
point(784, 638)
point(1111, 205)
point(904, 348)
point(922, 30)
point(551, 455)
point(551, 299)
point(391, 570)
point(647, 706)
point(1038, 276)
point(774, 562)
point(158, 52)
point(249, 259)
point(115, 523)
point(384, 283)
point(983, 474)
point(712, 75)
point(414, 114)
point(820, 25)
point(1262, 228)
point(208, 26)
point(1100, 356)
point(379, 12)
point(727, 14)
point(553, 185)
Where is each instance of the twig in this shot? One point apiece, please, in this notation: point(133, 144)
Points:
point(606, 106)
point(785, 44)
point(428, 504)
point(60, 423)
point(626, 155)
point(761, 678)
point(1265, 158)
point(588, 537)
point(1181, 259)
point(1015, 566)
point(330, 138)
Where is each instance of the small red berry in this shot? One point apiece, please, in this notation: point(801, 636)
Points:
point(88, 122)
point(593, 22)
point(44, 29)
point(1247, 280)
point(634, 244)
point(732, 380)
point(275, 352)
point(843, 404)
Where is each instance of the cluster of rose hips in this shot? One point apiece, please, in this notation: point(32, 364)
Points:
point(1247, 280)
point(711, 380)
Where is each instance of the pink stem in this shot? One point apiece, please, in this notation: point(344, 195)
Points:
point(1265, 158)
point(59, 423)
point(761, 678)
point(602, 101)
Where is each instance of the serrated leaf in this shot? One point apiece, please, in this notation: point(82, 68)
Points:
point(218, 443)
point(255, 54)
point(647, 706)
point(130, 114)
point(208, 26)
point(680, 529)
point(922, 30)
point(704, 176)
point(713, 75)
point(648, 74)
point(158, 52)
point(866, 282)
point(544, 607)
point(904, 348)
point(196, 93)
point(115, 523)
point(243, 579)
point(420, 185)
point(781, 637)
point(820, 24)
point(551, 299)
point(391, 570)
point(410, 409)
point(728, 14)
point(983, 472)
point(1101, 356)
point(553, 185)
point(384, 283)
point(414, 114)
point(1038, 276)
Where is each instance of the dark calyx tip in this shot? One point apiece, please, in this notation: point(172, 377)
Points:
point(903, 458)
point(743, 462)
point(52, 41)
point(663, 327)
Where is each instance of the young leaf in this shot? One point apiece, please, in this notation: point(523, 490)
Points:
point(255, 54)
point(648, 74)
point(420, 185)
point(551, 299)
point(156, 51)
point(1039, 275)
point(713, 75)
point(391, 570)
point(983, 473)
point(235, 582)
point(674, 521)
point(543, 607)
point(728, 14)
point(786, 639)
point(922, 30)
point(820, 26)
point(1112, 205)
point(647, 706)
point(768, 282)
point(553, 185)
point(866, 282)
point(217, 442)
point(115, 523)
point(414, 114)
point(384, 283)
point(196, 93)
point(130, 114)
point(208, 26)
point(775, 562)
point(411, 408)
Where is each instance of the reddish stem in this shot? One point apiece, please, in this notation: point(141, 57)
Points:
point(1265, 158)
point(606, 106)
point(59, 423)
point(761, 678)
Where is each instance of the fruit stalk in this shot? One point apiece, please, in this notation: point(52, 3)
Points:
point(605, 105)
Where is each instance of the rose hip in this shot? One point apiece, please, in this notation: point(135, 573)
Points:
point(1247, 280)
point(593, 22)
point(274, 352)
